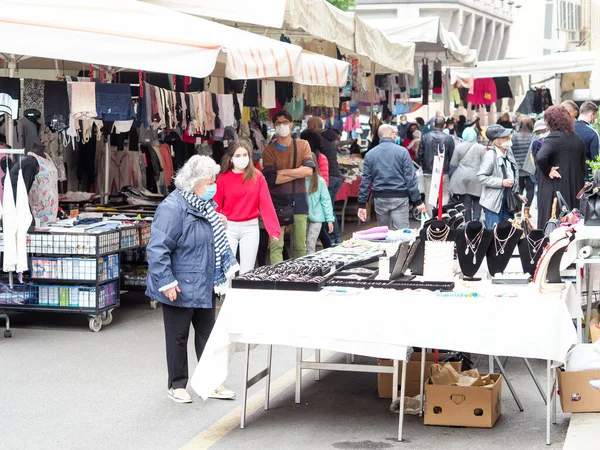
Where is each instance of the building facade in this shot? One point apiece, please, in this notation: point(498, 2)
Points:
point(483, 25)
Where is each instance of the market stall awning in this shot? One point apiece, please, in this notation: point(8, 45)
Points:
point(429, 35)
point(564, 62)
point(305, 19)
point(136, 35)
point(318, 70)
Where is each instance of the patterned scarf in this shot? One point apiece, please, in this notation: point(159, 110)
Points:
point(225, 263)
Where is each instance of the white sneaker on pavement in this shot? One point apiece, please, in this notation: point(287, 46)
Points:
point(222, 393)
point(179, 395)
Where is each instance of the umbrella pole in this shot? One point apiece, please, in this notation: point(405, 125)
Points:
point(373, 93)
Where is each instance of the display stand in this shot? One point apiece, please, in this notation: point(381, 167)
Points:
point(135, 265)
point(73, 273)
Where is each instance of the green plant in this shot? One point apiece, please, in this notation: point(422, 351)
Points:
point(344, 5)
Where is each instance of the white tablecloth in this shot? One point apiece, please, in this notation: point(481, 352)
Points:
point(381, 323)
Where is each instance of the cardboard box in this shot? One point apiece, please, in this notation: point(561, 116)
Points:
point(459, 406)
point(413, 374)
point(576, 393)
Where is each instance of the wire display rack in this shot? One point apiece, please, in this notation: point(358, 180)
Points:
point(72, 273)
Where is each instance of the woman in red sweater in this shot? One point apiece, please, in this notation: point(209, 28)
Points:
point(242, 195)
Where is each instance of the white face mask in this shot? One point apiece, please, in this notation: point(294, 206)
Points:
point(240, 162)
point(283, 130)
point(403, 122)
point(507, 145)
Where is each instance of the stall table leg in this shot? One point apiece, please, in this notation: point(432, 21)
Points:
point(248, 383)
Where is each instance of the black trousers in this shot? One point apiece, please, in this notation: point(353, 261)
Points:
point(177, 330)
point(526, 184)
point(472, 207)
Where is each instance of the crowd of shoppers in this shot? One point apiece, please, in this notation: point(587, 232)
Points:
point(213, 218)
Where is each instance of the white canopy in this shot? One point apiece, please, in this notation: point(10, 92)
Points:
point(305, 18)
point(565, 62)
point(429, 34)
point(135, 35)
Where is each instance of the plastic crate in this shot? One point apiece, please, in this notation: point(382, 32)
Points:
point(74, 244)
point(19, 294)
point(130, 237)
point(77, 269)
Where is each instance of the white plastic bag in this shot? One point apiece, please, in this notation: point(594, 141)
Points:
point(583, 357)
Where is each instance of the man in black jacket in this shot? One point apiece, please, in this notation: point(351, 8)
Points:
point(432, 143)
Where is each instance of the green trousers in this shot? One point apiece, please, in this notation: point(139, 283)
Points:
point(298, 230)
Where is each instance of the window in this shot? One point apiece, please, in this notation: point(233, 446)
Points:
point(569, 18)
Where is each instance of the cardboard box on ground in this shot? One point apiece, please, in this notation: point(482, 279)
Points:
point(465, 399)
point(577, 395)
point(413, 374)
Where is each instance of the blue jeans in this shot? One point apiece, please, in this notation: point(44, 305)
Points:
point(335, 183)
point(492, 219)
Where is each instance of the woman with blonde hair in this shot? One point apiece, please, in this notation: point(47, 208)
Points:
point(242, 196)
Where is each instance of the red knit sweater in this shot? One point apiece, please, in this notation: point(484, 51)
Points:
point(240, 201)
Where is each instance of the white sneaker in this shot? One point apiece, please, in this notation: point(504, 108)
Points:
point(222, 393)
point(179, 395)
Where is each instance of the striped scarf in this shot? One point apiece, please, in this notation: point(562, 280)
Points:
point(225, 263)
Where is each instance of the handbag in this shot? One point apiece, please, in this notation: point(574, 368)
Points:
point(553, 223)
point(567, 216)
point(589, 205)
point(513, 202)
point(285, 213)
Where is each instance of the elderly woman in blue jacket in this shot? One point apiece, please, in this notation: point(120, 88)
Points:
point(189, 262)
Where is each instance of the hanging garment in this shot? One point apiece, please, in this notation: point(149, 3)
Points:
point(437, 77)
point(167, 162)
point(415, 83)
point(8, 105)
point(43, 196)
point(33, 95)
point(526, 106)
point(425, 84)
point(83, 100)
point(226, 110)
point(10, 225)
point(113, 102)
point(503, 89)
point(268, 94)
point(484, 92)
point(28, 134)
point(24, 219)
point(56, 105)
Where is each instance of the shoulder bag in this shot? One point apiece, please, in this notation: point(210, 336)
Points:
point(513, 202)
point(285, 213)
point(567, 216)
point(553, 223)
point(589, 205)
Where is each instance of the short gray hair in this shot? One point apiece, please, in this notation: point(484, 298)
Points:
point(196, 170)
point(385, 130)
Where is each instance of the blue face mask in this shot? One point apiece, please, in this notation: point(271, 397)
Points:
point(209, 192)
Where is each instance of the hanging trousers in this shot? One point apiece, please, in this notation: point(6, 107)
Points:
point(177, 330)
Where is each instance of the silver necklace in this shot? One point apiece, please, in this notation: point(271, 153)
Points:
point(474, 244)
point(500, 244)
point(535, 246)
point(440, 236)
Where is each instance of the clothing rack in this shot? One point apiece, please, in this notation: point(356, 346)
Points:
point(553, 77)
